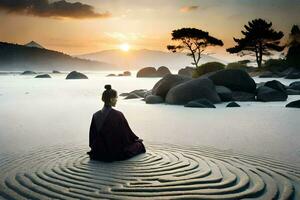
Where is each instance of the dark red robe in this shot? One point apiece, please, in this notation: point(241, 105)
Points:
point(111, 138)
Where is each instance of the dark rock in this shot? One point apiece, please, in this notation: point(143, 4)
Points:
point(233, 104)
point(55, 72)
point(293, 75)
point(293, 104)
point(276, 85)
point(153, 99)
point(224, 93)
point(191, 90)
point(111, 75)
point(120, 74)
point(234, 79)
point(76, 75)
point(162, 71)
point(147, 72)
point(28, 73)
point(162, 87)
point(266, 94)
point(127, 73)
point(292, 92)
point(268, 74)
point(260, 84)
point(43, 76)
point(187, 71)
point(141, 92)
point(242, 96)
point(200, 103)
point(124, 94)
point(295, 85)
point(149, 92)
point(132, 96)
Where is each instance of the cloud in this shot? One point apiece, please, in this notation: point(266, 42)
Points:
point(44, 8)
point(186, 9)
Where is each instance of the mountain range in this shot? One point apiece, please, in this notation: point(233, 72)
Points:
point(136, 59)
point(33, 56)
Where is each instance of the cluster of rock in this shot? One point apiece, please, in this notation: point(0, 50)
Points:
point(126, 73)
point(152, 72)
point(228, 85)
point(290, 73)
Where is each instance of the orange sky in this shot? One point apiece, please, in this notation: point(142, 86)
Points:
point(106, 24)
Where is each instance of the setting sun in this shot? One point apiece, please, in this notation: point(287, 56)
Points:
point(125, 47)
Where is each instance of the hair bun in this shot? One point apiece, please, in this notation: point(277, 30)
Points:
point(108, 87)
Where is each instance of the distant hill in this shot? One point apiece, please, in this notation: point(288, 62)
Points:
point(20, 57)
point(142, 58)
point(34, 44)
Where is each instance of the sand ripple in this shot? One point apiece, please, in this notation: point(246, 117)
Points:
point(164, 172)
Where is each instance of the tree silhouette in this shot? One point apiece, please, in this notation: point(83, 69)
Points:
point(193, 41)
point(259, 40)
point(293, 54)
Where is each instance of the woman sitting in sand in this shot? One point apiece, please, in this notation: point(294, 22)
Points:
point(110, 136)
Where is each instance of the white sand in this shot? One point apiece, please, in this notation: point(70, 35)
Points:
point(48, 113)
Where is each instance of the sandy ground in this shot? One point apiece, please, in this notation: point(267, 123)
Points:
point(247, 152)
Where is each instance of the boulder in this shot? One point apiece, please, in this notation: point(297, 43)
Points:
point(187, 71)
point(242, 96)
point(124, 94)
point(234, 79)
point(132, 96)
point(200, 103)
point(147, 72)
point(76, 75)
point(28, 73)
point(295, 85)
point(55, 72)
point(161, 71)
point(153, 99)
point(127, 73)
point(292, 92)
point(111, 75)
point(293, 75)
point(162, 87)
point(43, 76)
point(267, 94)
point(141, 92)
point(192, 90)
point(293, 104)
point(276, 85)
point(149, 92)
point(224, 93)
point(233, 104)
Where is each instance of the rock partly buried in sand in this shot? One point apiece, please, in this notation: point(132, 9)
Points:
point(295, 85)
point(141, 92)
point(292, 92)
point(233, 104)
point(109, 75)
point(187, 71)
point(162, 87)
point(28, 72)
point(293, 104)
point(43, 76)
point(294, 74)
point(234, 79)
point(192, 90)
point(76, 75)
point(127, 73)
point(266, 94)
point(276, 85)
point(200, 103)
point(224, 93)
point(162, 71)
point(124, 94)
point(153, 99)
point(242, 96)
point(55, 72)
point(132, 96)
point(146, 72)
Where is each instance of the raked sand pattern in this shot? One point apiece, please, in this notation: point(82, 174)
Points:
point(164, 172)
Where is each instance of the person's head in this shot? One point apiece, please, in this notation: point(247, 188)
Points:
point(109, 96)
